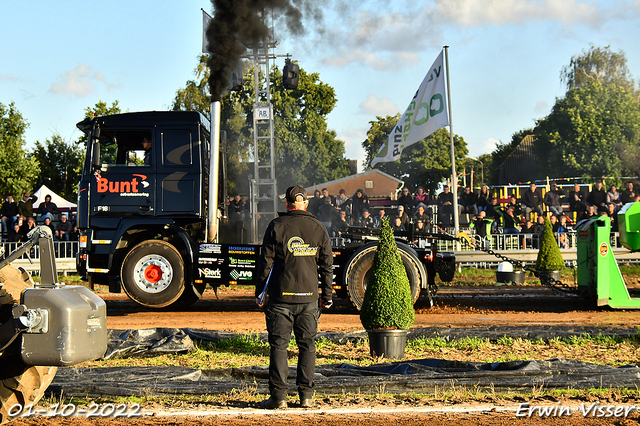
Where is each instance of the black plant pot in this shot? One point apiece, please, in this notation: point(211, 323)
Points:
point(515, 277)
point(387, 343)
point(545, 275)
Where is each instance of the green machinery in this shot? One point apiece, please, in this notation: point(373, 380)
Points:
point(599, 278)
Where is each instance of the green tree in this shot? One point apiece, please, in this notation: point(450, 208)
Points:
point(426, 163)
point(61, 164)
point(18, 171)
point(597, 65)
point(588, 130)
point(500, 155)
point(306, 151)
point(387, 300)
point(549, 256)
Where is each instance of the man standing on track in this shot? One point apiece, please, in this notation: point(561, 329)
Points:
point(295, 249)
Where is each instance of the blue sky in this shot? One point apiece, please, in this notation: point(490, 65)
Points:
point(505, 56)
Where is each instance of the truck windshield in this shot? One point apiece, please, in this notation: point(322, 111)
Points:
point(123, 147)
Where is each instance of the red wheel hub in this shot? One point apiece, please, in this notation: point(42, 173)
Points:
point(153, 273)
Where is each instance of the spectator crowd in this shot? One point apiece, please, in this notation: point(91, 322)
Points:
point(19, 218)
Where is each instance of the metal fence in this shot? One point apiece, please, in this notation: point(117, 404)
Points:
point(566, 240)
point(65, 252)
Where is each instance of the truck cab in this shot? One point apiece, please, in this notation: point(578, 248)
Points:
point(145, 178)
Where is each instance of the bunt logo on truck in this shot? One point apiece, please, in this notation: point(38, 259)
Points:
point(128, 188)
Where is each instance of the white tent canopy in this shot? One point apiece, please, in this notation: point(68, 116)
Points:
point(60, 202)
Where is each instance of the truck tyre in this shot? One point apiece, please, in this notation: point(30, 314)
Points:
point(153, 274)
point(359, 267)
point(19, 383)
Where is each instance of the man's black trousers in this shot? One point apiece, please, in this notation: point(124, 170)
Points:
point(282, 318)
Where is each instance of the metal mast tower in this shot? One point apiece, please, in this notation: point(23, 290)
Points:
point(263, 195)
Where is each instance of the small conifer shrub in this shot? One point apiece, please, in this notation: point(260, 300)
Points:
point(387, 299)
point(549, 255)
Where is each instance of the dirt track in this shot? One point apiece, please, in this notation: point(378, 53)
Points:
point(235, 311)
point(454, 307)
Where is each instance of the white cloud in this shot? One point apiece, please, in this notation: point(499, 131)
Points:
point(10, 77)
point(79, 82)
point(488, 146)
point(475, 13)
point(378, 106)
point(542, 108)
point(372, 60)
point(352, 138)
point(360, 57)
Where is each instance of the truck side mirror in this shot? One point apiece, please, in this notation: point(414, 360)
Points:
point(95, 151)
point(95, 154)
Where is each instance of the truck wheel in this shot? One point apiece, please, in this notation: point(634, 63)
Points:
point(19, 383)
point(153, 274)
point(359, 267)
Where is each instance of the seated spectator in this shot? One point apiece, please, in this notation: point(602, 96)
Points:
point(421, 214)
point(495, 213)
point(538, 229)
point(397, 225)
point(598, 197)
point(9, 213)
point(527, 227)
point(590, 213)
point(63, 229)
point(47, 223)
point(377, 220)
point(15, 234)
point(628, 195)
point(559, 231)
point(613, 197)
point(612, 213)
point(532, 200)
point(483, 200)
point(445, 207)
point(366, 220)
point(553, 199)
point(420, 197)
point(517, 208)
point(340, 225)
point(404, 217)
point(577, 201)
point(467, 202)
point(482, 224)
point(510, 221)
point(47, 208)
point(406, 200)
point(419, 228)
point(28, 225)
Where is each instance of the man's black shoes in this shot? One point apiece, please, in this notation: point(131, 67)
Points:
point(273, 404)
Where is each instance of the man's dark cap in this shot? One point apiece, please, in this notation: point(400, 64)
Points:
point(294, 192)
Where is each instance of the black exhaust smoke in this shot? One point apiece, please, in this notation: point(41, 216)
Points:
point(237, 24)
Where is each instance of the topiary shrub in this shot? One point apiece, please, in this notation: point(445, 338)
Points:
point(549, 255)
point(387, 299)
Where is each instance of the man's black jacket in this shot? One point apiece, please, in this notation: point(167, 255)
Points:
point(298, 246)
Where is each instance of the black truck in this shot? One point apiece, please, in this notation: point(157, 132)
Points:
point(144, 218)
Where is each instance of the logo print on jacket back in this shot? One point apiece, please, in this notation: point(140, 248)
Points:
point(298, 247)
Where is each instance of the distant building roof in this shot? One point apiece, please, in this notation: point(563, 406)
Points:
point(521, 165)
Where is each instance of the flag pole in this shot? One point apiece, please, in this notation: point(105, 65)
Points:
point(454, 178)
